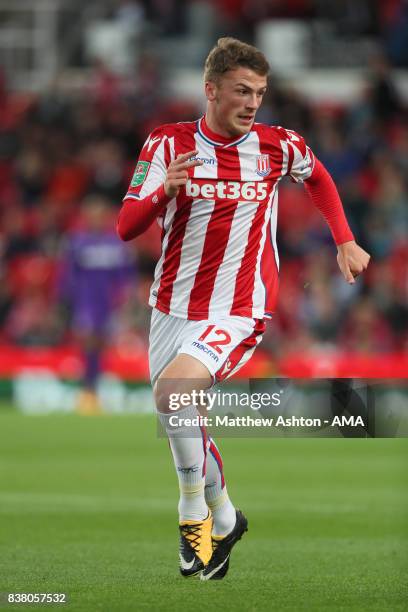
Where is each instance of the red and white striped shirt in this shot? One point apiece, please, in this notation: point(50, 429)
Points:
point(219, 253)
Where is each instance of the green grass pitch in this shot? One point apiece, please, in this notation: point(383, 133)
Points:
point(88, 507)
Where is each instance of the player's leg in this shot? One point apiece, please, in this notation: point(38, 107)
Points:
point(92, 354)
point(221, 347)
point(229, 524)
point(173, 374)
point(187, 448)
point(188, 444)
point(91, 346)
point(224, 345)
point(216, 494)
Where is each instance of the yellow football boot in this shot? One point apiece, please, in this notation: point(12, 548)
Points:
point(195, 545)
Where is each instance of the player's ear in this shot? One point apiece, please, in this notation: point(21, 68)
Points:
point(210, 90)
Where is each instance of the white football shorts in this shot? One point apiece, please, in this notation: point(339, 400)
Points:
point(223, 343)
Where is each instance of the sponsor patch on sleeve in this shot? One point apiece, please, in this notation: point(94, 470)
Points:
point(140, 173)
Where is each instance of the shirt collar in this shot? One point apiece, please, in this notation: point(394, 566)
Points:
point(216, 139)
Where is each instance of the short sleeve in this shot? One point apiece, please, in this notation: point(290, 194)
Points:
point(298, 157)
point(151, 167)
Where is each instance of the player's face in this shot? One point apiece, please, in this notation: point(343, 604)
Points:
point(234, 101)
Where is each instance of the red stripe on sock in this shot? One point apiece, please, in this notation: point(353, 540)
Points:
point(215, 453)
point(204, 437)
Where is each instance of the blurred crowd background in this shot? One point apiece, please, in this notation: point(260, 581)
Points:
point(78, 101)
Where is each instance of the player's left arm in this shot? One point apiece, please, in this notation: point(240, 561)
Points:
point(305, 168)
point(351, 258)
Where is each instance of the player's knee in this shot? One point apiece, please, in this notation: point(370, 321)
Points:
point(171, 395)
point(164, 396)
point(161, 400)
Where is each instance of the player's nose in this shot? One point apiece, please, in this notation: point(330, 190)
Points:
point(253, 102)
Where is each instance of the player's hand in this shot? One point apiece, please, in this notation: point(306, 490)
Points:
point(352, 260)
point(177, 172)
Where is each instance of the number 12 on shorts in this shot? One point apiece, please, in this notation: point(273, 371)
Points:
point(223, 338)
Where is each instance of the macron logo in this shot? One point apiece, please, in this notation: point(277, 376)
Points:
point(205, 349)
point(206, 160)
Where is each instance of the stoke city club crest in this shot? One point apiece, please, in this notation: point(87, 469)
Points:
point(262, 164)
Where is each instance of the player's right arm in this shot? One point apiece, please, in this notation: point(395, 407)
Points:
point(156, 181)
